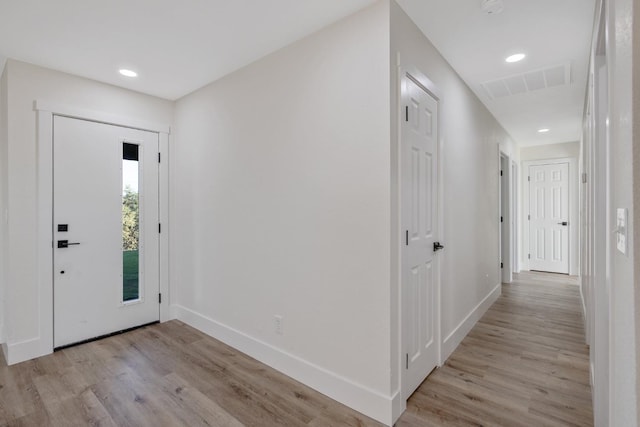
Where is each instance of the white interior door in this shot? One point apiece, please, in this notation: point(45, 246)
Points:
point(106, 244)
point(549, 217)
point(419, 221)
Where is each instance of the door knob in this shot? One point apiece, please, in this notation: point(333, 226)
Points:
point(565, 223)
point(437, 246)
point(65, 244)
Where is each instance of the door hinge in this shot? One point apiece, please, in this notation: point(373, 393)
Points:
point(528, 178)
point(529, 256)
point(158, 157)
point(407, 361)
point(529, 217)
point(406, 238)
point(500, 173)
point(584, 177)
point(159, 298)
point(501, 219)
point(501, 265)
point(159, 228)
point(406, 113)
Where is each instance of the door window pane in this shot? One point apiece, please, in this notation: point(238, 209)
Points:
point(130, 223)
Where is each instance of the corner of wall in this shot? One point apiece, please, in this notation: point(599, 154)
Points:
point(454, 339)
point(398, 406)
point(24, 350)
point(362, 399)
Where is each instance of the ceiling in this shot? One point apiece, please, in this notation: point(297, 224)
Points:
point(175, 46)
point(178, 47)
point(552, 33)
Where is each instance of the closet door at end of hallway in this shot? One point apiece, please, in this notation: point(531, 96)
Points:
point(549, 218)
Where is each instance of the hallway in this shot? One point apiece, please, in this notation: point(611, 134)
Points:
point(524, 364)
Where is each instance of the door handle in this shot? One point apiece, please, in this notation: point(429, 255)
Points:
point(437, 246)
point(565, 223)
point(65, 244)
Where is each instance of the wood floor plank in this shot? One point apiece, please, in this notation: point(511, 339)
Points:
point(523, 364)
point(202, 410)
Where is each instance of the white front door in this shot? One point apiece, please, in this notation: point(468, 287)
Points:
point(419, 222)
point(105, 228)
point(549, 217)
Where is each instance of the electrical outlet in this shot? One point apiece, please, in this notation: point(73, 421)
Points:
point(277, 323)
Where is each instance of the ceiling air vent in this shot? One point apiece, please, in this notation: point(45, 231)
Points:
point(530, 81)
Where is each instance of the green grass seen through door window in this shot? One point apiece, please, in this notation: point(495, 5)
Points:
point(131, 276)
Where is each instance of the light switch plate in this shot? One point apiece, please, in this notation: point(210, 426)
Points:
point(621, 230)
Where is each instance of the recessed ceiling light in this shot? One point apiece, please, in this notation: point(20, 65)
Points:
point(128, 73)
point(515, 58)
point(544, 130)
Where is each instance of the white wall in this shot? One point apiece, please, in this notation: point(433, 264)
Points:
point(550, 151)
point(470, 267)
point(623, 55)
point(25, 84)
point(281, 206)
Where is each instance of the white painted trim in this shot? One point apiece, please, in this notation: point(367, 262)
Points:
point(363, 399)
point(423, 81)
point(43, 344)
point(99, 116)
point(163, 206)
point(506, 274)
point(584, 309)
point(515, 218)
point(23, 350)
point(455, 338)
point(44, 136)
point(398, 406)
point(574, 208)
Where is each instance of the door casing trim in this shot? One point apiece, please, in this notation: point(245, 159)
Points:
point(506, 272)
point(45, 112)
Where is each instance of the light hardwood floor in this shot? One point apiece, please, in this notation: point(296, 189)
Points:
point(524, 364)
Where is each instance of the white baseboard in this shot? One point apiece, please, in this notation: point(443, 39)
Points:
point(362, 399)
point(24, 350)
point(398, 406)
point(455, 338)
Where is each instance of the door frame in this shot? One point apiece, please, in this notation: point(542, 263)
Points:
point(505, 252)
point(573, 209)
point(45, 112)
point(410, 71)
point(515, 218)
